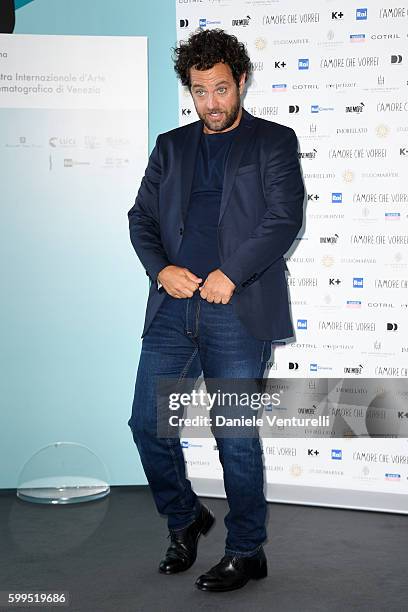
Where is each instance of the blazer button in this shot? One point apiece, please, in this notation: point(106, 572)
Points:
point(181, 231)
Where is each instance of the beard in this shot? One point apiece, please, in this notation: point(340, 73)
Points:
point(228, 117)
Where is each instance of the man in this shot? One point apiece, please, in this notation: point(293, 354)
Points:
point(220, 204)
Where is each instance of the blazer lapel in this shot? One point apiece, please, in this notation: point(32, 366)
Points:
point(239, 144)
point(187, 167)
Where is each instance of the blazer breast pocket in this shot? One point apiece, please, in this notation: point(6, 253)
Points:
point(247, 168)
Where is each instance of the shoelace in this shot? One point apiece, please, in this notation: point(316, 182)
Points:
point(176, 547)
point(175, 540)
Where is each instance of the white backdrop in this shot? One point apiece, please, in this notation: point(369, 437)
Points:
point(338, 77)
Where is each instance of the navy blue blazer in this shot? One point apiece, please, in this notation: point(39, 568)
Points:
point(261, 213)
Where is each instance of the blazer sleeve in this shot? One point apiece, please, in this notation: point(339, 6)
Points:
point(283, 218)
point(143, 218)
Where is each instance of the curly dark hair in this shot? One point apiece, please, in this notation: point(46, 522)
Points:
point(206, 48)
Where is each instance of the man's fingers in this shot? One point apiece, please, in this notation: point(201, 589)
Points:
point(192, 277)
point(182, 291)
point(190, 285)
point(188, 289)
point(213, 297)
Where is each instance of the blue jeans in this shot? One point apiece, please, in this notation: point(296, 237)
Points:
point(189, 336)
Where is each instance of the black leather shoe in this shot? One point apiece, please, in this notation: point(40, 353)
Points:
point(182, 551)
point(233, 572)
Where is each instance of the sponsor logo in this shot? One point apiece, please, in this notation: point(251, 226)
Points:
point(380, 305)
point(357, 153)
point(316, 367)
point(295, 470)
point(188, 444)
point(353, 370)
point(315, 108)
point(383, 239)
point(394, 283)
point(257, 66)
point(392, 107)
point(396, 59)
point(308, 154)
point(303, 64)
point(327, 261)
point(351, 130)
point(358, 108)
point(305, 86)
point(206, 23)
point(357, 38)
point(241, 22)
point(54, 141)
point(353, 304)
point(357, 326)
point(329, 239)
point(361, 14)
point(348, 176)
point(344, 85)
point(393, 13)
point(290, 18)
point(279, 87)
point(292, 41)
point(391, 371)
point(264, 111)
point(260, 43)
point(384, 36)
point(303, 281)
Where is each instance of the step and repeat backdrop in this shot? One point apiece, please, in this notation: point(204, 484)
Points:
point(335, 73)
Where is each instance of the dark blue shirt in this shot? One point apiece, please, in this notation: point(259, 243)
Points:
point(199, 248)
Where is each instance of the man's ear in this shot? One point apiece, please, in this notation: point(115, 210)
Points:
point(242, 80)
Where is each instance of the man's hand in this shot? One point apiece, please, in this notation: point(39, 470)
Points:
point(218, 288)
point(178, 282)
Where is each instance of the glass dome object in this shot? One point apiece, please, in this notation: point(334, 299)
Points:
point(63, 473)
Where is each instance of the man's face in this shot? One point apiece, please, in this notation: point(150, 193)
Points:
point(216, 97)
